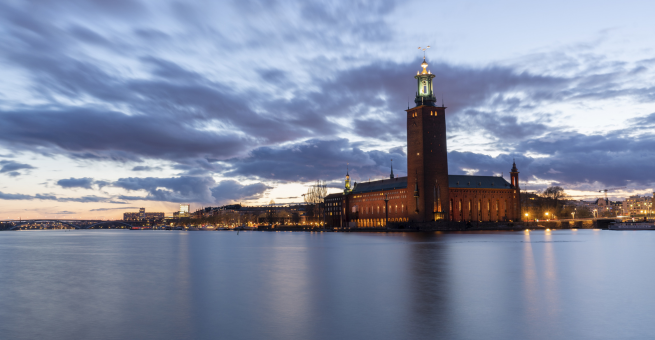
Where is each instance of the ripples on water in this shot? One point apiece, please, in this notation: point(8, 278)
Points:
point(585, 284)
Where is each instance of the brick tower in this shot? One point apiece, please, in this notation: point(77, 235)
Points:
point(427, 157)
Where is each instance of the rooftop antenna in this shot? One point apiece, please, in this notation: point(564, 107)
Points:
point(442, 100)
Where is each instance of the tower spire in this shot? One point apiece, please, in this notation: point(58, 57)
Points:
point(391, 169)
point(347, 186)
point(425, 94)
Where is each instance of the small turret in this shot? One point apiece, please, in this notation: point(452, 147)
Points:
point(391, 169)
point(514, 174)
point(347, 189)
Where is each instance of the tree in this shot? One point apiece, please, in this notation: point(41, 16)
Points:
point(314, 199)
point(555, 193)
point(584, 212)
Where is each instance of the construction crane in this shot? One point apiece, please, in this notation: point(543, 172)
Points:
point(610, 189)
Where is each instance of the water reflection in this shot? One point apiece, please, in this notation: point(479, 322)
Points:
point(428, 283)
point(207, 285)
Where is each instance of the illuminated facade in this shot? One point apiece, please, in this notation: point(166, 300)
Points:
point(638, 205)
point(184, 210)
point(428, 193)
point(142, 215)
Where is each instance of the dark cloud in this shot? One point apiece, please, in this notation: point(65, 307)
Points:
point(317, 159)
point(228, 190)
point(11, 167)
point(50, 197)
point(190, 189)
point(589, 162)
point(95, 134)
point(175, 189)
point(158, 108)
point(504, 127)
point(64, 212)
point(4, 196)
point(84, 199)
point(109, 209)
point(85, 183)
point(146, 168)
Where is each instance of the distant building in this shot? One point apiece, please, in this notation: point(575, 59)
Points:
point(142, 215)
point(185, 209)
point(637, 205)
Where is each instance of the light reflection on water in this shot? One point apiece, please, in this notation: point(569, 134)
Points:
point(584, 284)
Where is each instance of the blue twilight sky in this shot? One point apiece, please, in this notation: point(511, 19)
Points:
point(111, 105)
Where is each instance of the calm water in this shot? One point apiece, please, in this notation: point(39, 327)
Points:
point(585, 284)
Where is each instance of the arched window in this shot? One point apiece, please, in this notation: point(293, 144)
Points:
point(470, 211)
point(439, 198)
point(459, 208)
point(505, 209)
point(479, 210)
point(489, 210)
point(452, 216)
point(497, 210)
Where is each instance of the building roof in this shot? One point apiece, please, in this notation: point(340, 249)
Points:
point(477, 182)
point(454, 181)
point(385, 184)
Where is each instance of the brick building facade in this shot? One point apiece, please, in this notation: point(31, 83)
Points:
point(428, 193)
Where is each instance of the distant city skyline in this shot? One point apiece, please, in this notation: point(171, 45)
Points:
point(108, 107)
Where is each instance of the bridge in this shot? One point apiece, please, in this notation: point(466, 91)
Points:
point(75, 224)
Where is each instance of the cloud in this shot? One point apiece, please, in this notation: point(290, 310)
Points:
point(316, 159)
point(51, 197)
point(74, 131)
point(146, 168)
point(4, 196)
point(11, 168)
point(189, 189)
point(228, 191)
point(589, 162)
point(109, 209)
point(85, 183)
point(104, 83)
point(174, 189)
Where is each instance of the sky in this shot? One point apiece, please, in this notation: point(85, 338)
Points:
point(107, 106)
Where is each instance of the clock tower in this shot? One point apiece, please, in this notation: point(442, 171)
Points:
point(427, 156)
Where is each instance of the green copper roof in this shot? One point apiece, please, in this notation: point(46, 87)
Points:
point(385, 184)
point(454, 181)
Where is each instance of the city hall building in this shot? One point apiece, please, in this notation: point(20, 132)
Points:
point(428, 193)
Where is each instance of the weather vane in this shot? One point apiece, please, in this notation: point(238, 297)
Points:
point(423, 49)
